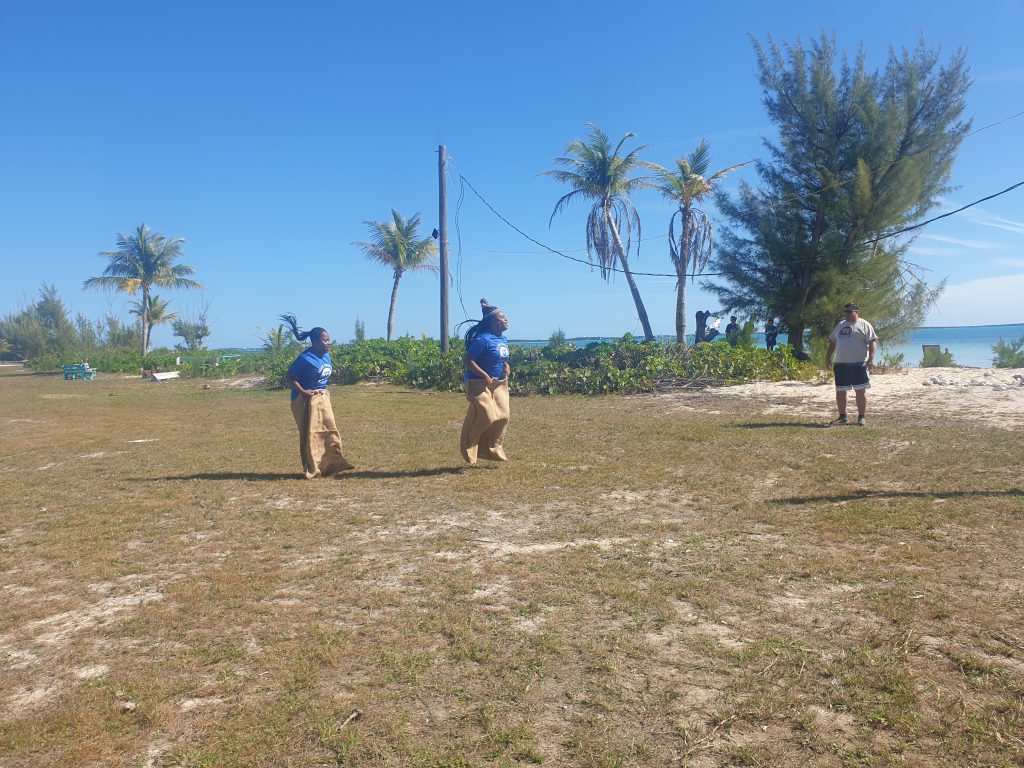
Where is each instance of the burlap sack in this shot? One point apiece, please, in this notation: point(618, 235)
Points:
point(483, 431)
point(319, 441)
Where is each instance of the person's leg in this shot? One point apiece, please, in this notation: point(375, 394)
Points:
point(862, 402)
point(841, 401)
point(479, 417)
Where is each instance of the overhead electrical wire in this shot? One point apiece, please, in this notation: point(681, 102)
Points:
point(716, 274)
point(465, 182)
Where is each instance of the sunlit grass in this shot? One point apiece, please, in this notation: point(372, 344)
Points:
point(639, 585)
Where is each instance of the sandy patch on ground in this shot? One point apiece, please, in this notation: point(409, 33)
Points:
point(987, 396)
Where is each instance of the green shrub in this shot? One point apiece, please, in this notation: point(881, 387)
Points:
point(1008, 354)
point(557, 339)
point(935, 359)
point(624, 366)
point(893, 360)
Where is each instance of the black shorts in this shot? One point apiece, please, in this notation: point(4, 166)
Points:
point(851, 376)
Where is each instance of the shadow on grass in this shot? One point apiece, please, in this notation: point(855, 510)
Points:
point(783, 424)
point(365, 475)
point(863, 495)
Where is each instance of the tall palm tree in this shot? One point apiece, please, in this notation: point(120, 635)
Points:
point(395, 244)
point(600, 174)
point(687, 185)
point(142, 260)
point(155, 313)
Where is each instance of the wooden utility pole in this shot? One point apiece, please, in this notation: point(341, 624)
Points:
point(442, 166)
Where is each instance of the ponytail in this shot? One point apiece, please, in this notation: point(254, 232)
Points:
point(293, 324)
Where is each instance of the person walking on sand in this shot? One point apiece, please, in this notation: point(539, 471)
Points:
point(486, 383)
point(852, 344)
point(308, 376)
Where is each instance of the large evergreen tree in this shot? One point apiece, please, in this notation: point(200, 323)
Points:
point(43, 328)
point(859, 154)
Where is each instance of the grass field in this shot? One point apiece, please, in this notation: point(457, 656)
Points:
point(650, 581)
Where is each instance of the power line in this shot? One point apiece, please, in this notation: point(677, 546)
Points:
point(717, 221)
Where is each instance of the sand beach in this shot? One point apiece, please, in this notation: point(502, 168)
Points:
point(981, 396)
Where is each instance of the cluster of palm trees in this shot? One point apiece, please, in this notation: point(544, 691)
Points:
point(596, 172)
point(607, 177)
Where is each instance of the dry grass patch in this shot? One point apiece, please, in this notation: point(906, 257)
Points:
point(645, 583)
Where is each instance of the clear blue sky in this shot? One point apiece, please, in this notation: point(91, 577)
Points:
point(265, 133)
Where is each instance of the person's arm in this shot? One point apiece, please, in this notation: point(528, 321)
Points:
point(506, 371)
point(871, 352)
point(296, 386)
point(292, 378)
point(831, 351)
point(472, 365)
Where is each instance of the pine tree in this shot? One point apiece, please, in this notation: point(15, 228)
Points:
point(859, 154)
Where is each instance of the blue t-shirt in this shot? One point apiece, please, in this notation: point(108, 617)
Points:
point(490, 352)
point(311, 371)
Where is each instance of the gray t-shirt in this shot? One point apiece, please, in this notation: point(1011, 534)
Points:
point(852, 340)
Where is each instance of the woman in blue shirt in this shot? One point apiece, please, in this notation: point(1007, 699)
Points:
point(486, 384)
point(308, 376)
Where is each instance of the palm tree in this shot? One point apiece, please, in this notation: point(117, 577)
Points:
point(155, 312)
point(598, 173)
point(142, 260)
point(278, 340)
point(687, 185)
point(395, 245)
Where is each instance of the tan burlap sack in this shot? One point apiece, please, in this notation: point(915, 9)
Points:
point(319, 441)
point(483, 431)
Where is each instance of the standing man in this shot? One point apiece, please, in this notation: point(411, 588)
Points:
point(852, 343)
point(771, 334)
point(732, 331)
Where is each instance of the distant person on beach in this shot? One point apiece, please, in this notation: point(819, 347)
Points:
point(852, 345)
point(308, 376)
point(732, 331)
point(771, 335)
point(486, 383)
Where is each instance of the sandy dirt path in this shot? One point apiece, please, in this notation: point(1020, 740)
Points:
point(989, 396)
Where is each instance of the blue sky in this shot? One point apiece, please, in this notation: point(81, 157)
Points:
point(265, 133)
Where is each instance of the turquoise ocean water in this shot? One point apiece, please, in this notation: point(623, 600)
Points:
point(970, 345)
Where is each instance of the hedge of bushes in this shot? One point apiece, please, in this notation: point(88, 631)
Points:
point(623, 366)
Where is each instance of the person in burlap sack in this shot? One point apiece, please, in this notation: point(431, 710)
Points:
point(486, 384)
point(308, 376)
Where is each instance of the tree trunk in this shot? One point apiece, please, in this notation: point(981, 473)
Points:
point(640, 310)
point(681, 312)
point(145, 320)
point(684, 263)
point(796, 337)
point(809, 271)
point(394, 301)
